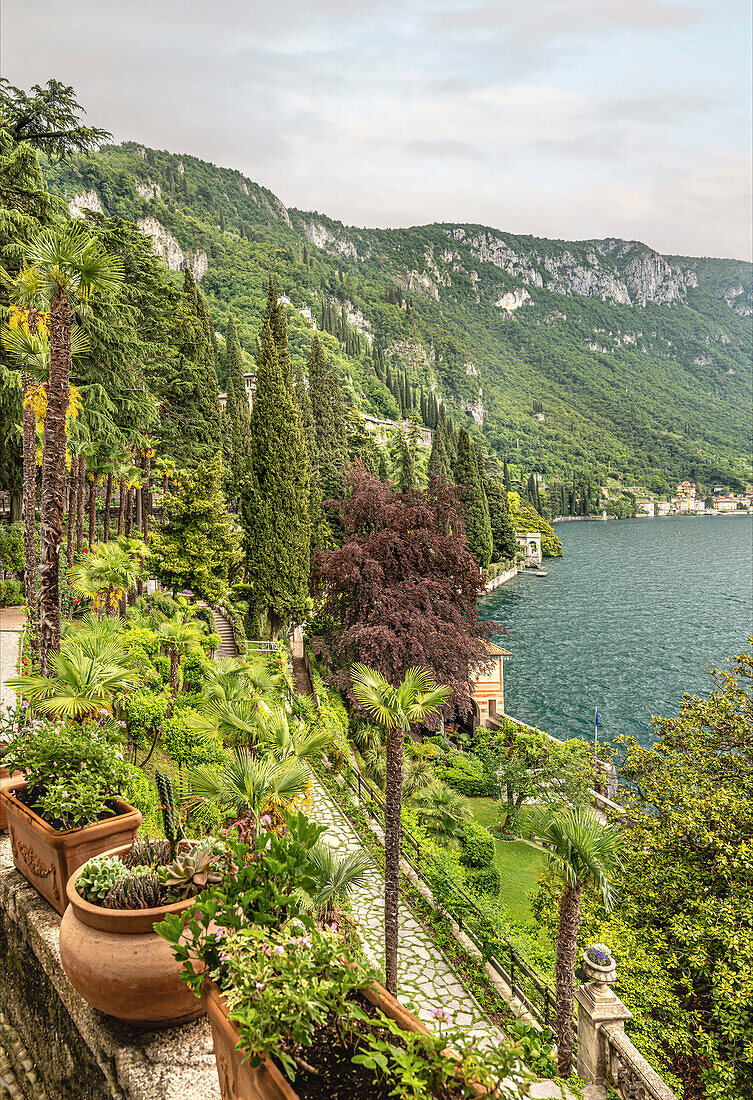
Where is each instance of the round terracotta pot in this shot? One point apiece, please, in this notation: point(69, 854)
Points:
point(120, 965)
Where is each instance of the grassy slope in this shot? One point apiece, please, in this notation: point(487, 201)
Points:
point(518, 864)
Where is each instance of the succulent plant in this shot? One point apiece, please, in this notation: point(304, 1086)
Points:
point(97, 877)
point(149, 852)
point(137, 891)
point(170, 813)
point(193, 870)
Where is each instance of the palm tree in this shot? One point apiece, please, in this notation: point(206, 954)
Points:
point(105, 575)
point(336, 876)
point(71, 266)
point(397, 709)
point(581, 851)
point(87, 671)
point(179, 638)
point(246, 788)
point(441, 811)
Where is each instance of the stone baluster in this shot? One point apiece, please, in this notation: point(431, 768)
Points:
point(598, 1007)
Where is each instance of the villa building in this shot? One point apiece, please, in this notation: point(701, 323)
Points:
point(249, 380)
point(382, 429)
point(488, 686)
point(530, 544)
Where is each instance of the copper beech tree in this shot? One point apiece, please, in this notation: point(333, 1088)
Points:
point(402, 589)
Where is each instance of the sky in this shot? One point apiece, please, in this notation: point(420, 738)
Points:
point(560, 118)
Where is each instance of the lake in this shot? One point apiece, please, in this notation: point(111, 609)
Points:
point(628, 620)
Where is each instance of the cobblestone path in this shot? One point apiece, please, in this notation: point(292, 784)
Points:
point(425, 980)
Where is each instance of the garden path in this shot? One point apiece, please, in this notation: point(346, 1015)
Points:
point(11, 621)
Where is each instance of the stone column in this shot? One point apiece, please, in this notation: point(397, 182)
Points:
point(597, 1005)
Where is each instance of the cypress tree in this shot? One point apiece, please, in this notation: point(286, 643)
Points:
point(237, 412)
point(476, 509)
point(382, 465)
point(276, 507)
point(506, 476)
point(504, 544)
point(406, 472)
point(328, 411)
point(439, 464)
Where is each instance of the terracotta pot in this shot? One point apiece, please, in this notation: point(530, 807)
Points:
point(47, 858)
point(8, 782)
point(120, 965)
point(240, 1081)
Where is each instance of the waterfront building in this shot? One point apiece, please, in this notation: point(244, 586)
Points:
point(530, 544)
point(488, 686)
point(725, 504)
point(382, 429)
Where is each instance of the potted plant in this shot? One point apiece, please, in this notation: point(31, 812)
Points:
point(108, 947)
point(7, 779)
point(67, 808)
point(598, 964)
point(294, 1011)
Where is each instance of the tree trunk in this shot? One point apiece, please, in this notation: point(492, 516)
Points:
point(108, 505)
point(30, 502)
point(147, 501)
point(121, 504)
point(53, 461)
point(392, 830)
point(173, 672)
point(80, 501)
point(72, 480)
point(129, 513)
point(138, 510)
point(567, 946)
point(92, 511)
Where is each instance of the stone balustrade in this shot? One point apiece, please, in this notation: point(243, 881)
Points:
point(606, 1056)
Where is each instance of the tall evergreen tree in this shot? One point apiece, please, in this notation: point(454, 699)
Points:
point(328, 411)
point(476, 509)
point(506, 476)
point(237, 412)
point(406, 471)
point(275, 503)
point(504, 544)
point(439, 464)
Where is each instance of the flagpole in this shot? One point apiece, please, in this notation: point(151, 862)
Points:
point(596, 735)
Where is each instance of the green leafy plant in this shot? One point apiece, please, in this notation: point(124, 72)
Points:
point(478, 845)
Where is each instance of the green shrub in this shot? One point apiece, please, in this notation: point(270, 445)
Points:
point(467, 783)
point(193, 672)
point(478, 845)
point(187, 699)
point(11, 593)
point(188, 746)
point(145, 713)
point(12, 548)
point(485, 880)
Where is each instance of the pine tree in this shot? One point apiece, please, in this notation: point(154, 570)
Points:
point(504, 543)
point(476, 509)
point(197, 546)
point(237, 412)
point(276, 507)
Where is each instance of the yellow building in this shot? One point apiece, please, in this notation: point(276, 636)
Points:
point(488, 686)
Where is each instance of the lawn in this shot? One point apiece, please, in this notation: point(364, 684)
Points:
point(518, 864)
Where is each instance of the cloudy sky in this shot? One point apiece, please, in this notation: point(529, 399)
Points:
point(559, 118)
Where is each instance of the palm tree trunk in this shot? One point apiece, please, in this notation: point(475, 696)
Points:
point(147, 501)
point(92, 511)
point(71, 511)
point(108, 505)
point(173, 672)
point(53, 461)
point(129, 512)
point(80, 500)
point(30, 503)
point(392, 829)
point(567, 946)
point(138, 514)
point(121, 504)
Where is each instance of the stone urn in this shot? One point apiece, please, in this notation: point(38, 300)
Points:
point(120, 965)
point(601, 974)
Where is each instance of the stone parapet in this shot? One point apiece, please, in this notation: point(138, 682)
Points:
point(54, 1046)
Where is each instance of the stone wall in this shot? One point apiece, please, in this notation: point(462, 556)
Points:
point(502, 578)
point(54, 1046)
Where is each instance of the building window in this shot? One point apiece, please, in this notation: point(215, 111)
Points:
point(492, 708)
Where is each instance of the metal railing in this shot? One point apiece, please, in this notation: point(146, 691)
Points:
point(498, 953)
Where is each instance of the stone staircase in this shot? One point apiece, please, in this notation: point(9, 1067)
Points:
point(301, 677)
point(223, 627)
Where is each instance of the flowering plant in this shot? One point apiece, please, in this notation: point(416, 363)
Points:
point(599, 953)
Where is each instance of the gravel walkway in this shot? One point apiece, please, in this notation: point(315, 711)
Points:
point(11, 621)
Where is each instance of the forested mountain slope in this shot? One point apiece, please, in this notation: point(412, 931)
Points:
point(568, 357)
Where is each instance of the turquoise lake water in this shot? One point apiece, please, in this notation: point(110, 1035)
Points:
point(629, 619)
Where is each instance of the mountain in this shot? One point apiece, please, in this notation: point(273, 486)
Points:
point(569, 358)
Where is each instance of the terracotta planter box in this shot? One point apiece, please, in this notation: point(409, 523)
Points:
point(47, 858)
point(7, 782)
point(240, 1081)
point(120, 965)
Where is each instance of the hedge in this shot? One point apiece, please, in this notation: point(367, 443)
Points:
point(472, 786)
point(478, 845)
point(485, 880)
